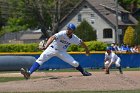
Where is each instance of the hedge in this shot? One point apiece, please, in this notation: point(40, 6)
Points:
point(92, 45)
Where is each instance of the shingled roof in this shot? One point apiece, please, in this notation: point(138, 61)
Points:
point(105, 8)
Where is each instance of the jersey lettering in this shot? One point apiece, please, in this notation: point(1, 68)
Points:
point(64, 42)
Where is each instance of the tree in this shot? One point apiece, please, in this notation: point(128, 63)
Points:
point(0, 19)
point(130, 5)
point(137, 30)
point(129, 36)
point(66, 6)
point(44, 14)
point(85, 31)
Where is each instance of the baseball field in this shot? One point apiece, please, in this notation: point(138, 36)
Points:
point(71, 82)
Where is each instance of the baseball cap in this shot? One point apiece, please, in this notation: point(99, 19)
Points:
point(71, 26)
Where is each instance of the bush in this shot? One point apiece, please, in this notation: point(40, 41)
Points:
point(92, 45)
point(19, 48)
point(96, 46)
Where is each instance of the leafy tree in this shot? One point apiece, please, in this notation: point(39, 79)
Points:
point(0, 19)
point(129, 36)
point(130, 5)
point(67, 6)
point(44, 14)
point(14, 25)
point(137, 30)
point(85, 31)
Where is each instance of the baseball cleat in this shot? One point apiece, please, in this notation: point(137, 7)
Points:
point(85, 73)
point(25, 73)
point(106, 71)
point(121, 72)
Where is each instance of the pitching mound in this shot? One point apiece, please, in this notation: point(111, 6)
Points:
point(73, 81)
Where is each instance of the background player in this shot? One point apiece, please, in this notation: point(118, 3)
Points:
point(57, 46)
point(111, 58)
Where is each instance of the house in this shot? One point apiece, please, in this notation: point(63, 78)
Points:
point(101, 14)
point(31, 36)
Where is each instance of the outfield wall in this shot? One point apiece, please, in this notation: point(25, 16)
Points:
point(14, 61)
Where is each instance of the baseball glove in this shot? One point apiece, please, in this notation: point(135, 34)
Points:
point(42, 44)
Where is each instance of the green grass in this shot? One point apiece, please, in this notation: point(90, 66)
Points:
point(74, 70)
point(88, 69)
point(7, 79)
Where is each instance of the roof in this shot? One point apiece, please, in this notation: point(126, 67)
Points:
point(31, 36)
point(105, 8)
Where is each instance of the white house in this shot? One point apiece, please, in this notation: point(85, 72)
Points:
point(101, 14)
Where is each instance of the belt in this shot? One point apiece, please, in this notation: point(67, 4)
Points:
point(53, 47)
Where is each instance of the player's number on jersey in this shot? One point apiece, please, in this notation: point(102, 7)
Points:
point(65, 46)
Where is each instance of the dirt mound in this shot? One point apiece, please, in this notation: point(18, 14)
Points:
point(73, 81)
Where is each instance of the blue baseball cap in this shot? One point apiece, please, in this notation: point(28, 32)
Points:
point(71, 26)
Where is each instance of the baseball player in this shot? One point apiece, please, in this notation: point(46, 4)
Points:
point(57, 46)
point(111, 58)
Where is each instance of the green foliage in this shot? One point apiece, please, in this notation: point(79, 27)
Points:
point(96, 46)
point(14, 25)
point(66, 6)
point(92, 46)
point(7, 79)
point(36, 13)
point(129, 36)
point(73, 48)
point(19, 48)
point(127, 3)
point(0, 19)
point(85, 31)
point(137, 30)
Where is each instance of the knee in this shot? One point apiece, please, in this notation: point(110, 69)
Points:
point(117, 65)
point(40, 62)
point(75, 64)
point(106, 63)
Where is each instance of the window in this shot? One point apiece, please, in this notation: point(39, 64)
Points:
point(92, 15)
point(92, 21)
point(125, 17)
point(79, 17)
point(107, 33)
point(85, 6)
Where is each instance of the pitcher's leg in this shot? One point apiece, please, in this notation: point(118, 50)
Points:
point(70, 60)
point(43, 58)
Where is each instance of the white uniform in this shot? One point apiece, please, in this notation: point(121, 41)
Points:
point(112, 58)
point(59, 48)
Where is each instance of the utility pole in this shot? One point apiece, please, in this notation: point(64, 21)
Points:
point(116, 27)
point(56, 18)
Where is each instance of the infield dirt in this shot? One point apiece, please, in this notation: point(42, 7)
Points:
point(72, 81)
